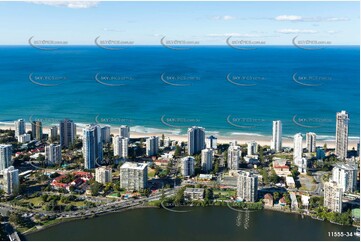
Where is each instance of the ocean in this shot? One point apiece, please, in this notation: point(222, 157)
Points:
point(155, 89)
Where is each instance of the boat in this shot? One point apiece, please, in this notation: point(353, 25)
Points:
point(357, 233)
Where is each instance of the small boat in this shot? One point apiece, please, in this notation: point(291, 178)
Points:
point(357, 233)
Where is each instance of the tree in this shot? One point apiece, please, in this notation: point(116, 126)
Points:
point(276, 196)
point(177, 151)
point(94, 188)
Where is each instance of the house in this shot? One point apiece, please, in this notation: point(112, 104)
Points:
point(194, 193)
point(290, 182)
point(268, 200)
point(281, 168)
point(282, 202)
point(161, 162)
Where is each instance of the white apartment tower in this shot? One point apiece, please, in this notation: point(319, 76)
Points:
point(247, 186)
point(11, 181)
point(103, 174)
point(19, 127)
point(333, 196)
point(152, 145)
point(211, 142)
point(133, 176)
point(342, 121)
point(311, 142)
point(297, 147)
point(187, 168)
point(276, 143)
point(5, 156)
point(120, 146)
point(345, 175)
point(207, 159)
point(234, 156)
point(196, 140)
point(251, 148)
point(53, 154)
point(124, 131)
point(92, 146)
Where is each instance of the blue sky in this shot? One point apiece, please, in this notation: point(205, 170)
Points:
point(206, 22)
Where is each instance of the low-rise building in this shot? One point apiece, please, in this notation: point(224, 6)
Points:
point(281, 168)
point(333, 196)
point(194, 193)
point(133, 176)
point(103, 174)
point(11, 181)
point(290, 182)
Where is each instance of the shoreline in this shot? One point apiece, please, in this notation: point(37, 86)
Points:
point(66, 220)
point(221, 139)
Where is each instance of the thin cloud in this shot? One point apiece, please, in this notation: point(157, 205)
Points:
point(288, 18)
point(224, 17)
point(297, 18)
point(296, 31)
point(68, 4)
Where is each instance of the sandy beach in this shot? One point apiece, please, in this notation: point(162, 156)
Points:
point(240, 138)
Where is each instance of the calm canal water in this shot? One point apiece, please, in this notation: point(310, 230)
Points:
point(210, 223)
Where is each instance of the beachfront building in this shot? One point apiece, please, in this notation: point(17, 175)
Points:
point(187, 168)
point(53, 133)
point(53, 154)
point(19, 127)
point(193, 193)
point(333, 196)
point(92, 146)
point(251, 148)
point(67, 132)
point(211, 142)
point(124, 131)
point(207, 159)
point(152, 145)
point(103, 174)
point(37, 130)
point(24, 138)
point(196, 140)
point(297, 147)
point(247, 186)
point(11, 181)
point(311, 142)
point(342, 121)
point(5, 156)
point(276, 143)
point(345, 175)
point(120, 146)
point(105, 134)
point(234, 156)
point(133, 176)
